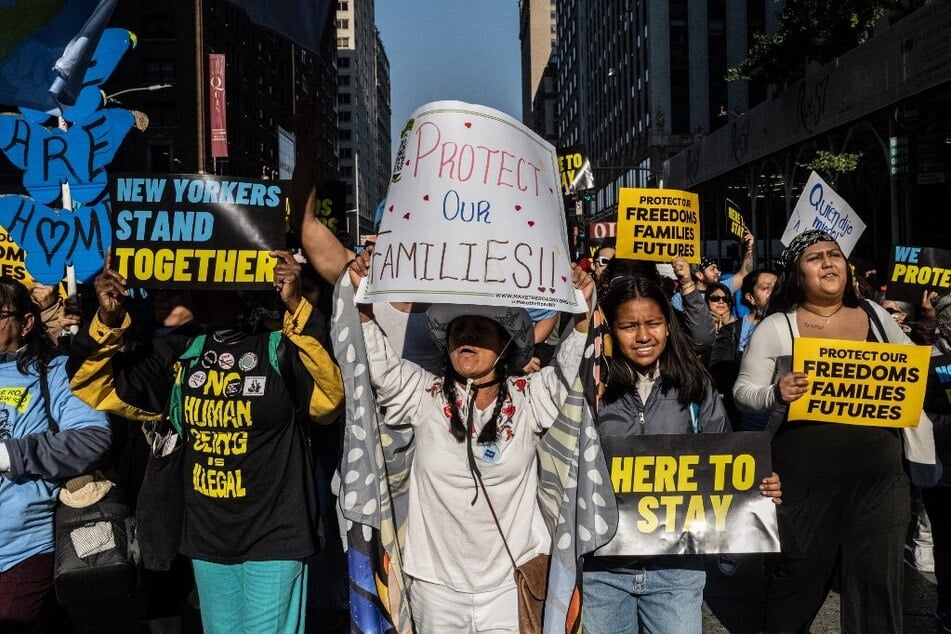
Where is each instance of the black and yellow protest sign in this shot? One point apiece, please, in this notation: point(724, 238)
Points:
point(197, 230)
point(939, 385)
point(914, 270)
point(658, 225)
point(574, 168)
point(735, 223)
point(860, 383)
point(690, 493)
point(13, 259)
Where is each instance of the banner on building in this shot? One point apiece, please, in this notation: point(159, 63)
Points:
point(575, 171)
point(474, 214)
point(602, 230)
point(690, 494)
point(820, 207)
point(914, 270)
point(197, 230)
point(658, 225)
point(860, 382)
point(217, 106)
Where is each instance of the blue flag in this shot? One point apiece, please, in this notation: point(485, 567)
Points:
point(46, 47)
point(301, 21)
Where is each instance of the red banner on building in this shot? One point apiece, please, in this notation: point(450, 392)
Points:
point(216, 105)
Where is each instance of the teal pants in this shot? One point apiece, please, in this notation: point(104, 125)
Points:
point(252, 597)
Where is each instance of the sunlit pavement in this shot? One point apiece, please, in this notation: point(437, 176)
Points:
point(736, 603)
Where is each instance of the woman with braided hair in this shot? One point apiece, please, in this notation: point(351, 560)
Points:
point(476, 430)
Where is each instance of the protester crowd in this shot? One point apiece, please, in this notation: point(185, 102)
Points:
point(465, 392)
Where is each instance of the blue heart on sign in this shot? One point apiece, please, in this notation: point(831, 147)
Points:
point(54, 238)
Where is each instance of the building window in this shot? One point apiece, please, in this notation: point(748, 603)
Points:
point(343, 23)
point(343, 80)
point(159, 27)
point(343, 97)
point(346, 153)
point(343, 62)
point(159, 158)
point(343, 42)
point(344, 116)
point(343, 6)
point(159, 71)
point(344, 135)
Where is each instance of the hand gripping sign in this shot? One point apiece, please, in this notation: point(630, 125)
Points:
point(474, 214)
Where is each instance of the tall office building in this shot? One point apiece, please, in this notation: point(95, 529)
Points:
point(363, 112)
point(271, 87)
point(638, 80)
point(537, 35)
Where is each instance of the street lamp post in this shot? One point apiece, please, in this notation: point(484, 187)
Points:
point(107, 98)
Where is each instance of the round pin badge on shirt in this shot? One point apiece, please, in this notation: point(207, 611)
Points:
point(248, 361)
point(208, 359)
point(226, 360)
point(197, 379)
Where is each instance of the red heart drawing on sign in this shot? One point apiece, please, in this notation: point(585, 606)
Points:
point(564, 279)
point(468, 125)
point(541, 289)
point(426, 197)
point(551, 290)
point(407, 163)
point(518, 208)
point(406, 216)
point(531, 223)
point(391, 208)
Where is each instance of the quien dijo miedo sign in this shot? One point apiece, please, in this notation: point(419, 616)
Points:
point(474, 214)
point(690, 493)
point(197, 230)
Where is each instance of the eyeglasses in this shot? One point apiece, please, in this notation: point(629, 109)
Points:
point(717, 298)
point(603, 261)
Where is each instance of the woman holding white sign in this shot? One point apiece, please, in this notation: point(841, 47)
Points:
point(475, 471)
point(655, 385)
point(846, 497)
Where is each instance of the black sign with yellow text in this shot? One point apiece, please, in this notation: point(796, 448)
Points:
point(196, 230)
point(690, 494)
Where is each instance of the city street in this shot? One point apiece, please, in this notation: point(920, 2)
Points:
point(736, 604)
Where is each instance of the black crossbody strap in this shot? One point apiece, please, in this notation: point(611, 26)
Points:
point(873, 317)
point(45, 394)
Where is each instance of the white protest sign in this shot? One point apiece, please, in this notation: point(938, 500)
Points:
point(474, 214)
point(819, 207)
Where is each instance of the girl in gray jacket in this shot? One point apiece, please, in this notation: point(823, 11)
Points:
point(654, 381)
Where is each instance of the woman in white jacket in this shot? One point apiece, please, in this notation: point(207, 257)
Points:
point(845, 490)
point(473, 422)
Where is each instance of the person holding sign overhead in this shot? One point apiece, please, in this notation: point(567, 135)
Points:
point(839, 479)
point(655, 385)
point(475, 470)
point(249, 501)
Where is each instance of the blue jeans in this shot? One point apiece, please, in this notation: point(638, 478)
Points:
point(659, 601)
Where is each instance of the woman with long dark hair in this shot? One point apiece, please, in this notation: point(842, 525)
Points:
point(840, 478)
point(655, 385)
point(33, 458)
point(477, 426)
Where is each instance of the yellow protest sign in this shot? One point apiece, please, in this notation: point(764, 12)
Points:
point(860, 383)
point(658, 225)
point(13, 259)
